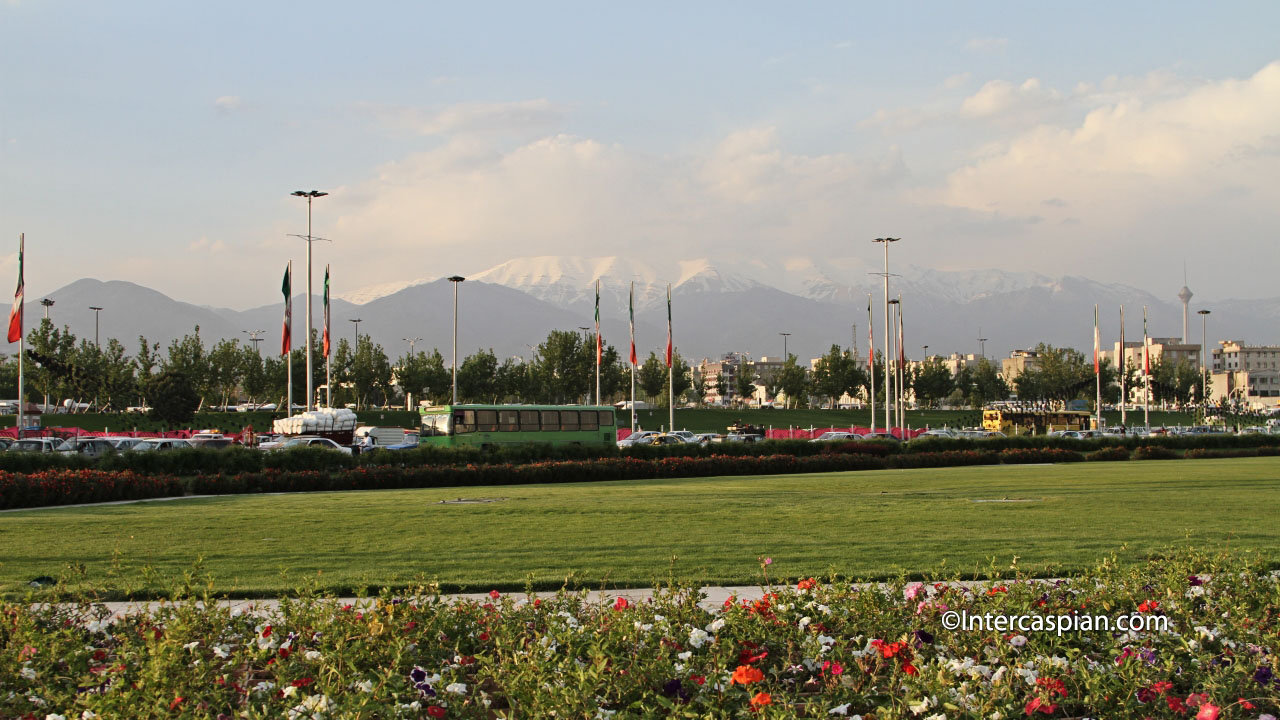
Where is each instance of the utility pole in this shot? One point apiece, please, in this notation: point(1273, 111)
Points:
point(96, 312)
point(309, 195)
point(888, 382)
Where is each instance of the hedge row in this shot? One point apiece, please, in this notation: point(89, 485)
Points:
point(70, 487)
point(235, 460)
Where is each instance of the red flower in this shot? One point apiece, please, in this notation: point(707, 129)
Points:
point(1053, 685)
point(302, 682)
point(1161, 687)
point(1042, 706)
point(621, 604)
point(1148, 606)
point(832, 668)
point(283, 652)
point(997, 590)
point(910, 669)
point(806, 584)
point(1176, 704)
point(266, 631)
point(484, 637)
point(745, 675)
point(746, 656)
point(495, 594)
point(699, 679)
point(435, 711)
point(1246, 704)
point(176, 702)
point(761, 699)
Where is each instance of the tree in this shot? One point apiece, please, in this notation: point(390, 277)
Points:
point(187, 357)
point(837, 373)
point(982, 383)
point(51, 353)
point(118, 378)
point(613, 375)
point(652, 377)
point(933, 382)
point(173, 397)
point(253, 374)
point(1060, 375)
point(476, 378)
point(699, 384)
point(680, 376)
point(745, 383)
point(370, 372)
point(793, 380)
point(226, 369)
point(565, 365)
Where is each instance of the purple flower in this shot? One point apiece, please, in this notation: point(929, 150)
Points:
point(673, 688)
point(1263, 675)
point(1149, 655)
point(1194, 580)
point(417, 675)
point(923, 637)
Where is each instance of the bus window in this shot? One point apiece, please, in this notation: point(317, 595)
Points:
point(487, 420)
point(589, 420)
point(508, 420)
point(550, 420)
point(569, 420)
point(606, 418)
point(529, 421)
point(464, 421)
point(435, 425)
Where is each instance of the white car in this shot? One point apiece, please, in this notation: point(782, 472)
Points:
point(91, 446)
point(311, 441)
point(161, 444)
point(639, 437)
point(834, 436)
point(40, 444)
point(685, 435)
point(123, 443)
point(938, 432)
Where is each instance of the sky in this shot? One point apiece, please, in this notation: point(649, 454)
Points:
point(158, 142)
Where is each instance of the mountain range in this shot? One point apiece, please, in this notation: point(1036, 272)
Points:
point(719, 306)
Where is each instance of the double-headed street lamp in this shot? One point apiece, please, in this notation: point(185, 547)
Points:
point(255, 338)
point(47, 303)
point(96, 312)
point(1204, 368)
point(357, 321)
point(456, 279)
point(411, 341)
point(309, 195)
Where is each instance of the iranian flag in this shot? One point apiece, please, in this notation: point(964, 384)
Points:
point(631, 311)
point(286, 338)
point(326, 311)
point(1097, 342)
point(871, 339)
point(668, 326)
point(599, 341)
point(15, 315)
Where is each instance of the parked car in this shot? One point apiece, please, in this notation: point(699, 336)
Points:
point(684, 435)
point(833, 436)
point(938, 432)
point(314, 442)
point(122, 443)
point(212, 443)
point(880, 435)
point(707, 438)
point(40, 444)
point(742, 438)
point(91, 446)
point(161, 445)
point(639, 437)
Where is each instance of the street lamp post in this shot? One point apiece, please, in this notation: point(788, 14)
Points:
point(982, 343)
point(47, 303)
point(411, 341)
point(96, 312)
point(888, 383)
point(357, 321)
point(254, 338)
point(784, 345)
point(309, 195)
point(1204, 368)
point(456, 279)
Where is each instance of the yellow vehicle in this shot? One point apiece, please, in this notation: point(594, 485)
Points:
point(1012, 421)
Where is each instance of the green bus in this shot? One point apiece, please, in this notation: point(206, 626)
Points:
point(494, 425)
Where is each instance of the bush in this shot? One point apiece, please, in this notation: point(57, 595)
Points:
point(1154, 452)
point(1206, 453)
point(1016, 456)
point(1108, 454)
point(70, 487)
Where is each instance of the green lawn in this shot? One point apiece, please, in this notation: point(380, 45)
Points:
point(1056, 519)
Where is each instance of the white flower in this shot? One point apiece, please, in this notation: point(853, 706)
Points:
point(602, 714)
point(685, 655)
point(28, 673)
point(191, 646)
point(222, 651)
point(312, 655)
point(55, 716)
point(90, 715)
point(839, 710)
point(936, 716)
point(917, 708)
point(659, 618)
point(264, 686)
point(643, 627)
point(698, 638)
point(365, 686)
point(715, 625)
point(456, 688)
point(995, 715)
point(1018, 640)
point(804, 621)
point(290, 691)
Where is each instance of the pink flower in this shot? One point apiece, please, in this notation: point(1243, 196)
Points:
point(912, 590)
point(1208, 711)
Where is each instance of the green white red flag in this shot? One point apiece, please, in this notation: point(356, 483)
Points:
point(669, 326)
point(631, 311)
point(326, 311)
point(286, 338)
point(599, 340)
point(15, 315)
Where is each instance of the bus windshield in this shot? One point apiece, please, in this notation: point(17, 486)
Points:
point(435, 424)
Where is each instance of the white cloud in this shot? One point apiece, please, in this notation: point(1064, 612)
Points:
point(228, 103)
point(538, 115)
point(206, 246)
point(999, 97)
point(956, 81)
point(986, 44)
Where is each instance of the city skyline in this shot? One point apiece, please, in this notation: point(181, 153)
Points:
point(159, 145)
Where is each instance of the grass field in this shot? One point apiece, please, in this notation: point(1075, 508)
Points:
point(1056, 519)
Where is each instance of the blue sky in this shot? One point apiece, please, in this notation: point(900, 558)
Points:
point(158, 142)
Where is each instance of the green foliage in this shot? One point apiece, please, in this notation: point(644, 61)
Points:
point(173, 397)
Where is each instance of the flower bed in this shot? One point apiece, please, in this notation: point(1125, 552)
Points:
point(816, 648)
point(67, 487)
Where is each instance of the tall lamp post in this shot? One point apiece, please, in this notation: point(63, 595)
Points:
point(255, 338)
point(1204, 367)
point(456, 279)
point(309, 195)
point(411, 342)
point(982, 343)
point(784, 345)
point(888, 420)
point(47, 303)
point(357, 321)
point(96, 312)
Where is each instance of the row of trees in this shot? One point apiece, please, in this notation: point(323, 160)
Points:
point(561, 370)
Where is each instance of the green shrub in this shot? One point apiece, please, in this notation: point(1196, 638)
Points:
point(1108, 454)
point(1154, 452)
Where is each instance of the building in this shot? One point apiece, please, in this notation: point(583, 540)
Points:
point(1245, 374)
point(1235, 355)
point(1018, 362)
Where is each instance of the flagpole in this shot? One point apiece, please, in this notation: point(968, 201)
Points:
point(328, 381)
point(599, 342)
point(1146, 372)
point(631, 309)
point(22, 340)
point(289, 355)
point(1097, 368)
point(1124, 368)
point(902, 374)
point(871, 360)
point(671, 369)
